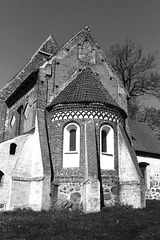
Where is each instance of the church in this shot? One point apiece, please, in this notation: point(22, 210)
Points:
point(65, 137)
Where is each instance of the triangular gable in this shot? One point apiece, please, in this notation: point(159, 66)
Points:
point(82, 36)
point(83, 50)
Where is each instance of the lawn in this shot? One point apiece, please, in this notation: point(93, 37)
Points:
point(116, 223)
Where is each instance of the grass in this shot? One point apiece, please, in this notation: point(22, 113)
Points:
point(116, 223)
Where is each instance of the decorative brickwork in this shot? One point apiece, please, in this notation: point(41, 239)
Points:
point(87, 112)
point(37, 179)
point(52, 115)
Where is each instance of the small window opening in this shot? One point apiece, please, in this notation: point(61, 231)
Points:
point(1, 178)
point(72, 146)
point(104, 141)
point(13, 148)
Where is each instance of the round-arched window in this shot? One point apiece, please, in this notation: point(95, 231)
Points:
point(106, 147)
point(71, 145)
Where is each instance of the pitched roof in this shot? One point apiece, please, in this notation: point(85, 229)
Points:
point(85, 88)
point(144, 139)
point(48, 48)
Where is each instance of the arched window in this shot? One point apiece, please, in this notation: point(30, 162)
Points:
point(104, 141)
point(72, 140)
point(106, 147)
point(1, 178)
point(12, 148)
point(71, 145)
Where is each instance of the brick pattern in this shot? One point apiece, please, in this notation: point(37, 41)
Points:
point(28, 123)
point(3, 109)
point(86, 87)
point(66, 66)
point(105, 103)
point(66, 179)
point(86, 111)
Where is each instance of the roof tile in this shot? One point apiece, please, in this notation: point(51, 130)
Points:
point(85, 88)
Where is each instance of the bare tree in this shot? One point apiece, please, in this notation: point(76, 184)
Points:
point(136, 71)
point(139, 77)
point(151, 116)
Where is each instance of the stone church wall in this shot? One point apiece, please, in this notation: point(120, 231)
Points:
point(68, 181)
point(73, 56)
point(8, 166)
point(152, 177)
point(12, 124)
point(132, 190)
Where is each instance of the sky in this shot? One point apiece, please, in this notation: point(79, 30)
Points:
point(26, 24)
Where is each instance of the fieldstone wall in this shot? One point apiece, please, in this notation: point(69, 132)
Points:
point(67, 195)
point(110, 188)
point(152, 177)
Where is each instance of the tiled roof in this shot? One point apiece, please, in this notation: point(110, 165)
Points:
point(85, 88)
point(144, 139)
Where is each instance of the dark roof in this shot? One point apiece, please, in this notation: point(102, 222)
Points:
point(85, 88)
point(144, 139)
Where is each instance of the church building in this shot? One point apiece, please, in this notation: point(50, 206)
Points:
point(65, 140)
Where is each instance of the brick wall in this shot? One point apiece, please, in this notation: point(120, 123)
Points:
point(28, 104)
point(73, 56)
point(3, 109)
point(91, 186)
point(66, 179)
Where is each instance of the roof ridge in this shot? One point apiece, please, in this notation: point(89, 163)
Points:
point(85, 29)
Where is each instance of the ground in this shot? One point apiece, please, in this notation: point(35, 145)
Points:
point(116, 223)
